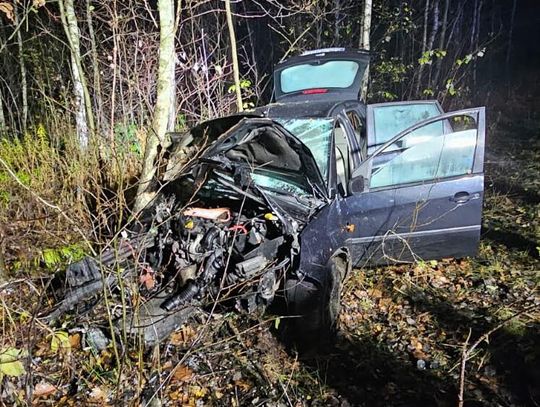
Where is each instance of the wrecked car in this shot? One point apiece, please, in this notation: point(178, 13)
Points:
point(286, 200)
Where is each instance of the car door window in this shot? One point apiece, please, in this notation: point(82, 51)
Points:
point(389, 119)
point(446, 150)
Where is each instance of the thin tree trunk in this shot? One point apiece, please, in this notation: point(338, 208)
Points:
point(2, 117)
point(22, 67)
point(366, 29)
point(236, 69)
point(84, 119)
point(510, 37)
point(434, 31)
point(98, 104)
point(477, 40)
point(337, 18)
point(424, 47)
point(163, 119)
point(442, 39)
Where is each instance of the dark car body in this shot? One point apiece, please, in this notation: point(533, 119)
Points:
point(397, 182)
point(309, 186)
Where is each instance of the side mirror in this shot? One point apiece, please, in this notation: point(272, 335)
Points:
point(357, 185)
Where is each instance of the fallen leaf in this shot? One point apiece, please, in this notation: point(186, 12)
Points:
point(375, 293)
point(44, 388)
point(60, 341)
point(75, 341)
point(10, 363)
point(182, 373)
point(97, 395)
point(147, 278)
point(182, 336)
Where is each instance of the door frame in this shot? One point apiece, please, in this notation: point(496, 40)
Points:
point(365, 167)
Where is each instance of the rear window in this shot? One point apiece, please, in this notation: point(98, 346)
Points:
point(331, 74)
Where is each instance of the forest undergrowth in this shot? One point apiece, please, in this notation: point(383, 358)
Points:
point(402, 332)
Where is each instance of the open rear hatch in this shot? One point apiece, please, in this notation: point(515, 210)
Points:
point(326, 74)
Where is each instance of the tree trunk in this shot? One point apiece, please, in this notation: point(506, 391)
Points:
point(424, 48)
point(434, 31)
point(22, 68)
point(163, 119)
point(337, 20)
point(236, 69)
point(366, 28)
point(442, 39)
point(2, 117)
point(95, 67)
point(84, 119)
point(510, 35)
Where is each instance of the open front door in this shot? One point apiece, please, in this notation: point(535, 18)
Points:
point(423, 192)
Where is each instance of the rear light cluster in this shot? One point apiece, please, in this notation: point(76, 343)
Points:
point(314, 91)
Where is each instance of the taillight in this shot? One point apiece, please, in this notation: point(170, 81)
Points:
point(314, 91)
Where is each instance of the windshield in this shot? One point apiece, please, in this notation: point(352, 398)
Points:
point(331, 74)
point(316, 134)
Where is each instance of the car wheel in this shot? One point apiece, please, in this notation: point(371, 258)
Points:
point(314, 308)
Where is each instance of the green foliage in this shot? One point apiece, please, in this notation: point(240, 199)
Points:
point(181, 123)
point(452, 91)
point(125, 136)
point(428, 56)
point(62, 255)
point(244, 84)
point(392, 70)
point(10, 362)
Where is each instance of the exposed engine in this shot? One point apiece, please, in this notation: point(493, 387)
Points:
point(215, 252)
point(223, 231)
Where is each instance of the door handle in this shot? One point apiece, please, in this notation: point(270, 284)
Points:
point(461, 197)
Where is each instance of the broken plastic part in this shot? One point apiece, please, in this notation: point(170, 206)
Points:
point(220, 214)
point(249, 267)
point(188, 273)
point(270, 216)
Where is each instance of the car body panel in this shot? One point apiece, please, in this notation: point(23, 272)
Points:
point(428, 219)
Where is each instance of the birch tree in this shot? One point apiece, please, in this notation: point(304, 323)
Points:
point(22, 70)
point(236, 69)
point(163, 119)
point(365, 43)
point(83, 108)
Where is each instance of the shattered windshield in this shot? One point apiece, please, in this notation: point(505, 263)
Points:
point(316, 134)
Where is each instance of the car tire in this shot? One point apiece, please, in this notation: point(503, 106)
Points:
point(314, 308)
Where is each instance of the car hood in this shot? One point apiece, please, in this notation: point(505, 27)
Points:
point(260, 143)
